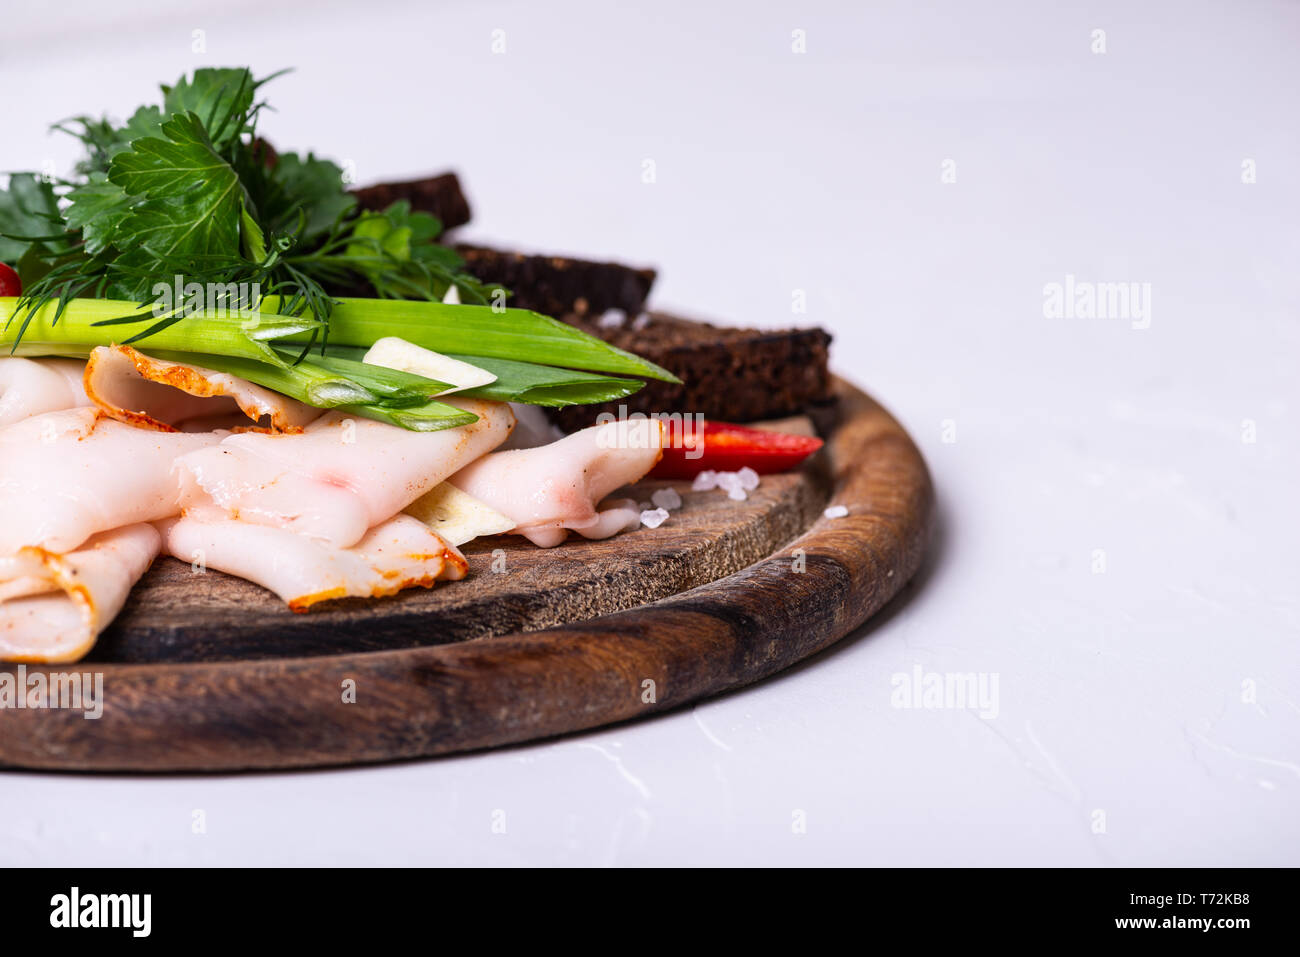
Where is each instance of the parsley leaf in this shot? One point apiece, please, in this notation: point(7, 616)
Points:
point(398, 253)
point(222, 98)
point(97, 208)
point(186, 187)
point(192, 196)
point(312, 187)
point(29, 210)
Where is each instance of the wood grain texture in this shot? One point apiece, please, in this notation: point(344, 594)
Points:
point(442, 698)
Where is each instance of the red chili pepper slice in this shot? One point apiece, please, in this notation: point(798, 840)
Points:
point(10, 284)
point(722, 447)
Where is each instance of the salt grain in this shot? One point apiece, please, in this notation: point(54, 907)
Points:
point(653, 518)
point(667, 498)
point(728, 480)
point(836, 511)
point(737, 494)
point(706, 481)
point(612, 319)
point(748, 479)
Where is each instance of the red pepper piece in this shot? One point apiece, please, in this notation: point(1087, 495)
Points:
point(10, 284)
point(722, 447)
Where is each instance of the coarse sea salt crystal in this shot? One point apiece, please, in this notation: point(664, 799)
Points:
point(836, 511)
point(667, 498)
point(728, 480)
point(737, 494)
point(706, 481)
point(653, 518)
point(748, 479)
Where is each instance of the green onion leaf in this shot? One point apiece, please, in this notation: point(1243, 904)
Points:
point(430, 417)
point(306, 381)
point(479, 330)
point(392, 387)
point(546, 385)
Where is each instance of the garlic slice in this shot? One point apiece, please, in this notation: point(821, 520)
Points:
point(394, 353)
point(457, 517)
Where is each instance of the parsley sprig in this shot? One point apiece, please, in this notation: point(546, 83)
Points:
point(186, 188)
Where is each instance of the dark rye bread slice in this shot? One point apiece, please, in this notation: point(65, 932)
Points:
point(558, 285)
point(440, 195)
point(733, 375)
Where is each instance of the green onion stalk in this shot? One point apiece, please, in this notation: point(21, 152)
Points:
point(76, 326)
point(512, 334)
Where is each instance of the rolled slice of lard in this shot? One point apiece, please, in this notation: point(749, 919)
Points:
point(53, 607)
point(552, 489)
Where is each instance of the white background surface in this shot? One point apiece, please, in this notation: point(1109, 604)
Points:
point(1121, 691)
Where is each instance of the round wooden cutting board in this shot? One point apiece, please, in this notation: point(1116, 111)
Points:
point(203, 672)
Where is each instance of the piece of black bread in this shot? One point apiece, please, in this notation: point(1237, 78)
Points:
point(440, 195)
point(560, 286)
point(729, 374)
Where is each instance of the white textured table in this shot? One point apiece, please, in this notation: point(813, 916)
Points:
point(1119, 513)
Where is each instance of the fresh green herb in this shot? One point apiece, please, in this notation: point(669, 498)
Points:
point(186, 198)
point(29, 216)
point(300, 186)
point(186, 188)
